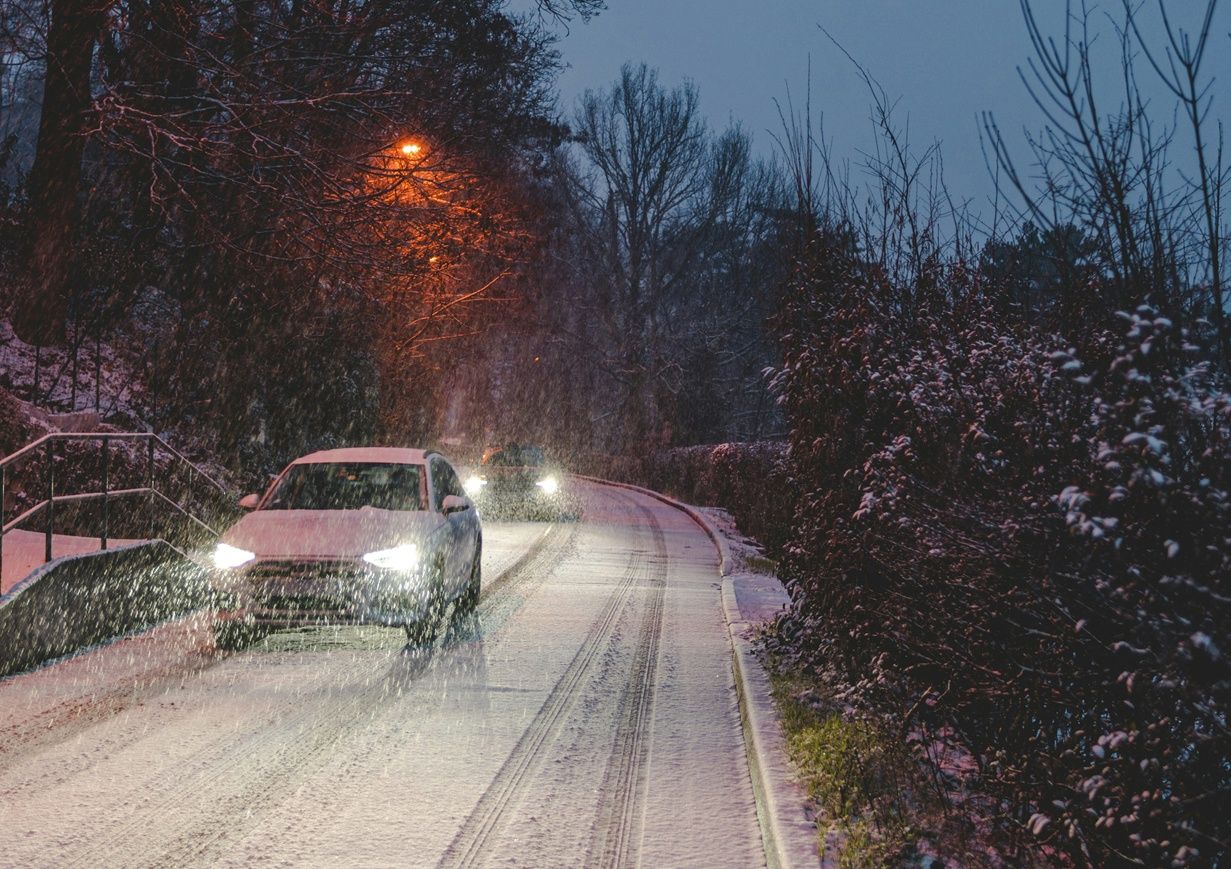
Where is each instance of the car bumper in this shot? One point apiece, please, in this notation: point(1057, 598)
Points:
point(322, 592)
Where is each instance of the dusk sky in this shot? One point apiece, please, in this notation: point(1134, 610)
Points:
point(946, 61)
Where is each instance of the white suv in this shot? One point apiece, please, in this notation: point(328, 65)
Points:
point(374, 535)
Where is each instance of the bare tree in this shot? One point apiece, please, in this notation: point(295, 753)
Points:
point(23, 29)
point(343, 181)
point(1156, 228)
point(664, 213)
point(1181, 73)
point(55, 178)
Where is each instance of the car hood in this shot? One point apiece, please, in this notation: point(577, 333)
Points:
point(329, 533)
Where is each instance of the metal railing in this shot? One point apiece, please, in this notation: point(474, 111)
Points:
point(46, 446)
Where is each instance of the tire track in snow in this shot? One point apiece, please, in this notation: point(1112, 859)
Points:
point(470, 845)
point(499, 599)
point(618, 824)
point(506, 593)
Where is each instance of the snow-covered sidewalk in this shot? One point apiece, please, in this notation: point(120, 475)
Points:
point(24, 551)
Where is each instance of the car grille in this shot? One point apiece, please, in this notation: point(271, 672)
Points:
point(306, 603)
point(278, 571)
point(304, 588)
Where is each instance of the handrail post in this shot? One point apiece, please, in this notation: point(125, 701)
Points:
point(98, 369)
point(192, 478)
point(48, 446)
point(106, 503)
point(51, 497)
point(149, 484)
point(3, 474)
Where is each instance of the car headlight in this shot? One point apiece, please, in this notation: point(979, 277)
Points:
point(227, 557)
point(474, 485)
point(549, 485)
point(405, 557)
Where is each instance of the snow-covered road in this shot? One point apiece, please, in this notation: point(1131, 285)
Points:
point(586, 716)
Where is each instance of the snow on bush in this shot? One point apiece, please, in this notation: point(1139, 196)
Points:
point(1025, 543)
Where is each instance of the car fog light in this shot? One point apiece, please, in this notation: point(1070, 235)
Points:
point(227, 557)
point(548, 485)
point(398, 558)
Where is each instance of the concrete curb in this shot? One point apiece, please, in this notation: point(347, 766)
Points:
point(789, 837)
point(779, 797)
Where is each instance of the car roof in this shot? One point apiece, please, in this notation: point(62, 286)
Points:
point(359, 455)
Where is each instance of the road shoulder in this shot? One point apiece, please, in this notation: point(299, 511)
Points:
point(750, 600)
point(789, 832)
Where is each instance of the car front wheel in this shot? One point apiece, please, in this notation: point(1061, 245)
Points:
point(468, 601)
point(423, 630)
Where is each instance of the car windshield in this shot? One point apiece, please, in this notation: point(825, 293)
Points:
point(515, 457)
point(347, 486)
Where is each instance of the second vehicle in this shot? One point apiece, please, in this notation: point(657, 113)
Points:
point(517, 479)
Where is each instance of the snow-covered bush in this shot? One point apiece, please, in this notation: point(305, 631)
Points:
point(748, 480)
point(1024, 545)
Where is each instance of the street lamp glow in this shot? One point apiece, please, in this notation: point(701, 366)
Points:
point(411, 148)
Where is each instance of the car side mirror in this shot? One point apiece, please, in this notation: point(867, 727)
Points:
point(454, 504)
point(249, 502)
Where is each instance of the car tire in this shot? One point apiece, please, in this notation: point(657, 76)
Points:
point(468, 600)
point(423, 630)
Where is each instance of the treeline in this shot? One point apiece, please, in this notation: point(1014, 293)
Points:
point(322, 223)
point(300, 202)
point(1012, 461)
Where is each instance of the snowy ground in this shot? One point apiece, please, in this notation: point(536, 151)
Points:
point(119, 386)
point(24, 551)
point(758, 593)
point(586, 716)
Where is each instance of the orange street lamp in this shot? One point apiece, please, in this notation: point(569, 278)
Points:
point(410, 149)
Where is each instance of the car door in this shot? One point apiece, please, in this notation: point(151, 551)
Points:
point(467, 520)
point(456, 532)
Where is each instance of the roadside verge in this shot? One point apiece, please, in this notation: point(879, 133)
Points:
point(789, 836)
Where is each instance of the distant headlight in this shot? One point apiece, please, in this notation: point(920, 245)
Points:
point(474, 485)
point(399, 558)
point(228, 557)
point(549, 485)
